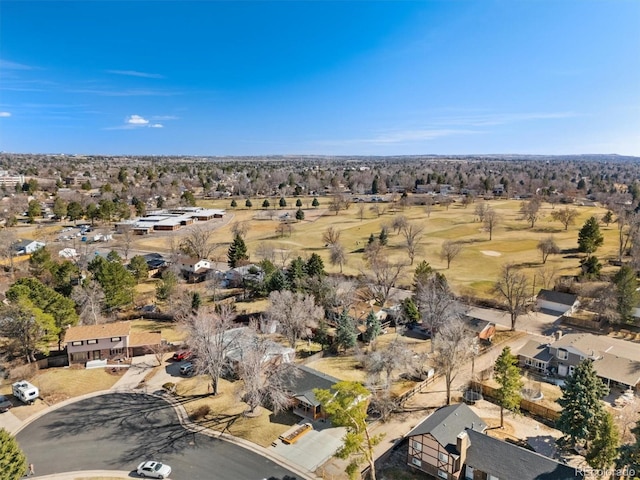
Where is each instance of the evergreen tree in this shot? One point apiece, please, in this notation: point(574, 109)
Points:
point(346, 334)
point(591, 267)
point(265, 203)
point(315, 203)
point(299, 214)
point(321, 335)
point(237, 254)
point(139, 268)
point(627, 294)
point(507, 374)
point(234, 204)
point(422, 273)
point(384, 236)
point(12, 458)
point(589, 236)
point(116, 282)
point(248, 203)
point(410, 310)
point(74, 211)
point(296, 273)
point(603, 450)
point(374, 329)
point(167, 285)
point(372, 239)
point(314, 266)
point(298, 203)
point(375, 188)
point(277, 281)
point(607, 218)
point(582, 409)
point(196, 301)
point(282, 202)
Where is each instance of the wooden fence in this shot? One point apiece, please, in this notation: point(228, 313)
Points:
point(418, 388)
point(527, 405)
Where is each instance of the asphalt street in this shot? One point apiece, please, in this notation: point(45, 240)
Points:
point(118, 431)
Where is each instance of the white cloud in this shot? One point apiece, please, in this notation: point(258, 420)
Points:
point(157, 125)
point(137, 120)
point(134, 73)
point(5, 114)
point(7, 65)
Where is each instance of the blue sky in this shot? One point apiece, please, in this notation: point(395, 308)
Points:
point(320, 77)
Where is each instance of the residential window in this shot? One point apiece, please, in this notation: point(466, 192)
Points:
point(416, 462)
point(92, 342)
point(417, 446)
point(116, 351)
point(563, 354)
point(116, 339)
point(443, 474)
point(492, 477)
point(76, 357)
point(468, 474)
point(443, 457)
point(77, 344)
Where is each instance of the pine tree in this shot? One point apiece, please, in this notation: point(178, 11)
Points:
point(248, 203)
point(384, 236)
point(314, 266)
point(629, 454)
point(321, 335)
point(346, 335)
point(237, 253)
point(296, 273)
point(234, 204)
point(582, 409)
point(283, 202)
point(266, 203)
point(507, 374)
point(298, 203)
point(299, 214)
point(196, 301)
point(626, 292)
point(374, 329)
point(603, 450)
point(589, 237)
point(315, 203)
point(12, 459)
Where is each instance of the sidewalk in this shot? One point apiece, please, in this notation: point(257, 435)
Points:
point(128, 383)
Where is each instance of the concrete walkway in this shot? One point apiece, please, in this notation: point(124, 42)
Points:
point(131, 382)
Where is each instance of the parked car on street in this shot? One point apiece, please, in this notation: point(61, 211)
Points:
point(153, 470)
point(5, 404)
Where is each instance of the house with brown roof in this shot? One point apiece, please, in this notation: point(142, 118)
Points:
point(107, 341)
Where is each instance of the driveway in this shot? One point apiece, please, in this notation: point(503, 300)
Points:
point(117, 431)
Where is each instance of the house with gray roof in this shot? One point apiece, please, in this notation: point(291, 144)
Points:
point(557, 302)
point(301, 388)
point(452, 444)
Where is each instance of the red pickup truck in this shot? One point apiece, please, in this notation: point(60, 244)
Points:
point(182, 355)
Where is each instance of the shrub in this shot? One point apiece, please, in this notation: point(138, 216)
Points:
point(200, 412)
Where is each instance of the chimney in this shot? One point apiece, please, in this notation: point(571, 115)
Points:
point(558, 334)
point(462, 443)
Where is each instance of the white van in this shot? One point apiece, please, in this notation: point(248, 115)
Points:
point(25, 391)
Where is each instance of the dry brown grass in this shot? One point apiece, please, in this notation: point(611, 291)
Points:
point(227, 412)
point(67, 383)
point(171, 332)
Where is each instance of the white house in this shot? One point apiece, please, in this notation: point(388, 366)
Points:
point(557, 302)
point(27, 247)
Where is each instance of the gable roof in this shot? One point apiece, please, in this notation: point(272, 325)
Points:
point(536, 350)
point(143, 339)
point(302, 386)
point(505, 460)
point(102, 330)
point(446, 423)
point(557, 297)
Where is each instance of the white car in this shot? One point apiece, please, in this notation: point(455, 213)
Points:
point(154, 470)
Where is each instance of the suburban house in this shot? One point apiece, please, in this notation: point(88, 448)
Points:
point(194, 269)
point(451, 444)
point(236, 277)
point(301, 386)
point(155, 263)
point(27, 247)
point(557, 302)
point(239, 340)
point(615, 361)
point(107, 341)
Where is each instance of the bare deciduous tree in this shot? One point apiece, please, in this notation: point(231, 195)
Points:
point(398, 223)
point(89, 297)
point(491, 219)
point(548, 247)
point(331, 236)
point(384, 361)
point(412, 234)
point(266, 251)
point(337, 255)
point(240, 228)
point(547, 277)
point(158, 351)
point(212, 336)
point(450, 250)
point(125, 240)
point(361, 212)
point(530, 211)
point(381, 277)
point(480, 210)
point(567, 216)
point(513, 288)
point(265, 380)
point(198, 242)
point(453, 347)
point(296, 314)
point(7, 239)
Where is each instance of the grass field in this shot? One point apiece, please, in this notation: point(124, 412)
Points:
point(473, 272)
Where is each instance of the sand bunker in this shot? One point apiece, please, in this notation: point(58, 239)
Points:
point(491, 253)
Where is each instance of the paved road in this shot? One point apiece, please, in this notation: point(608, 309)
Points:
point(117, 431)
